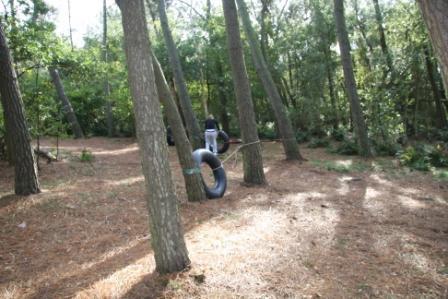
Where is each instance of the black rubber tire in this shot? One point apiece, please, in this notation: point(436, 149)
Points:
point(204, 156)
point(223, 145)
point(169, 137)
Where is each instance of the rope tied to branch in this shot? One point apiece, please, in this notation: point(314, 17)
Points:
point(238, 149)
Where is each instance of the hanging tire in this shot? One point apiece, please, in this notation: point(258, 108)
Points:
point(223, 142)
point(204, 156)
point(169, 137)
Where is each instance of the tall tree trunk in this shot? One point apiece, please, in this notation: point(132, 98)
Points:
point(224, 117)
point(166, 229)
point(383, 43)
point(435, 14)
point(10, 157)
point(440, 111)
point(192, 125)
point(252, 158)
point(105, 54)
point(284, 123)
point(350, 83)
point(26, 179)
point(66, 105)
point(70, 23)
point(193, 182)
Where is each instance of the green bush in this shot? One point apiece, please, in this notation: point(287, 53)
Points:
point(86, 156)
point(338, 134)
point(302, 136)
point(386, 149)
point(423, 156)
point(347, 147)
point(318, 142)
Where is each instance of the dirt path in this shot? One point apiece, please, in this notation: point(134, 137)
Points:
point(311, 233)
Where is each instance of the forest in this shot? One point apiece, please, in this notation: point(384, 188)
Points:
point(331, 175)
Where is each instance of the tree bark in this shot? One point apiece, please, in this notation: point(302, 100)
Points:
point(350, 83)
point(435, 15)
point(252, 158)
point(65, 102)
point(192, 125)
point(26, 177)
point(284, 123)
point(193, 182)
point(105, 54)
point(167, 237)
point(440, 111)
point(383, 43)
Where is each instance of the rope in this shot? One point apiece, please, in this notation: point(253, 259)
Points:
point(191, 171)
point(237, 149)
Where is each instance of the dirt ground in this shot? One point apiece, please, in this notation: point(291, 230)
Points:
point(374, 230)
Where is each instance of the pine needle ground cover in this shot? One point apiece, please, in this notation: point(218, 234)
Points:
point(313, 232)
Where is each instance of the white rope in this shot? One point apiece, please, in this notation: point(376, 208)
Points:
point(237, 149)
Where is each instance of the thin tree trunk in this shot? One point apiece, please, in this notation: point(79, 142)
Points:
point(70, 23)
point(435, 14)
point(350, 83)
point(105, 54)
point(192, 124)
point(166, 229)
point(383, 43)
point(66, 105)
point(440, 111)
point(252, 158)
point(10, 157)
point(26, 177)
point(193, 182)
point(284, 123)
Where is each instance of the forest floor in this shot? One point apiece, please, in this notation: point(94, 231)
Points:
point(331, 227)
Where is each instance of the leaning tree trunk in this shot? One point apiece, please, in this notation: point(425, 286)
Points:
point(252, 158)
point(105, 57)
point(284, 123)
point(192, 176)
point(440, 111)
point(26, 180)
point(167, 235)
point(383, 43)
point(350, 83)
point(435, 14)
point(66, 105)
point(192, 125)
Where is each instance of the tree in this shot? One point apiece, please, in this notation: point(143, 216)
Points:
point(66, 105)
point(166, 230)
point(350, 83)
point(26, 177)
point(252, 158)
point(435, 15)
point(105, 54)
point(283, 121)
point(179, 79)
point(192, 176)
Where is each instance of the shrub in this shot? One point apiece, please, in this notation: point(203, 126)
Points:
point(86, 156)
point(338, 134)
point(386, 149)
point(318, 142)
point(302, 136)
point(423, 157)
point(346, 147)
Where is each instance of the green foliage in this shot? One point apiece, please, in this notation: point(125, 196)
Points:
point(338, 134)
point(302, 136)
point(423, 156)
point(342, 166)
point(318, 142)
point(346, 147)
point(386, 149)
point(86, 156)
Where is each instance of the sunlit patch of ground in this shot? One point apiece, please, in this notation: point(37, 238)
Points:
point(311, 233)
